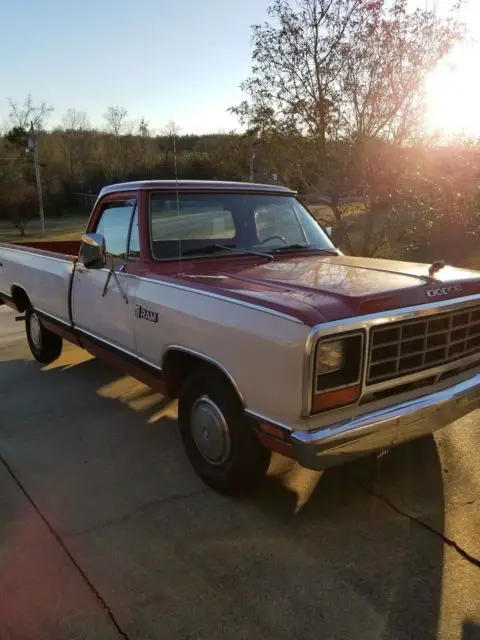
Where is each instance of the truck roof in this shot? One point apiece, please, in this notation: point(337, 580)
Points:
point(195, 185)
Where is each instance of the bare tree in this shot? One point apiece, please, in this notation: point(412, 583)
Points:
point(143, 128)
point(170, 131)
point(21, 115)
point(297, 59)
point(382, 99)
point(116, 118)
point(74, 140)
point(74, 120)
point(341, 73)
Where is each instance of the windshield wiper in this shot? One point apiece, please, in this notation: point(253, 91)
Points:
point(290, 247)
point(214, 248)
point(209, 248)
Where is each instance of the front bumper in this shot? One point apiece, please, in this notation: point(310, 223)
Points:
point(338, 443)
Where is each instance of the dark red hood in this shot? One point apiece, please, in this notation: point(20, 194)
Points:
point(325, 288)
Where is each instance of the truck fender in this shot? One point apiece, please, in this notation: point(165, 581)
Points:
point(178, 362)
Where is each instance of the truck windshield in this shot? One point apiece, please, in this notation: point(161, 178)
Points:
point(197, 225)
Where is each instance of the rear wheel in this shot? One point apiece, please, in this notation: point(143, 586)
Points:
point(45, 345)
point(218, 437)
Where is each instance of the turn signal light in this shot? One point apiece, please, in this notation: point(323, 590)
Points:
point(335, 399)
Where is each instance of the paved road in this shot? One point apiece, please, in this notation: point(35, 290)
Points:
point(105, 532)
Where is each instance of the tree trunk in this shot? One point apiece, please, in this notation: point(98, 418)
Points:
point(370, 214)
point(341, 225)
point(368, 230)
point(325, 161)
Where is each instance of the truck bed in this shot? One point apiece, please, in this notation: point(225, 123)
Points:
point(60, 248)
point(42, 268)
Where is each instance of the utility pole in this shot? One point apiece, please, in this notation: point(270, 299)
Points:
point(32, 146)
point(252, 169)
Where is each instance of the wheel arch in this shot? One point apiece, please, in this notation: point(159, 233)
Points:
point(20, 298)
point(178, 362)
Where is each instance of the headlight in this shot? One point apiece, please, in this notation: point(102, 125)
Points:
point(330, 356)
point(337, 371)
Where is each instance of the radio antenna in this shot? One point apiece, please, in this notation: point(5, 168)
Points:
point(177, 196)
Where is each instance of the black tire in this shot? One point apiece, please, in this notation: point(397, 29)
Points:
point(242, 460)
point(45, 346)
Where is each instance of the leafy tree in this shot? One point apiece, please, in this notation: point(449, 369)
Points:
point(20, 200)
point(17, 136)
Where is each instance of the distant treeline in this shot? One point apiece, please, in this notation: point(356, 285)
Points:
point(425, 195)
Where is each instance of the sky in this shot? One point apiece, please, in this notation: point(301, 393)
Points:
point(165, 60)
point(179, 60)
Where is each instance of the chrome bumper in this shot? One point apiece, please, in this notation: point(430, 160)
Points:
point(385, 428)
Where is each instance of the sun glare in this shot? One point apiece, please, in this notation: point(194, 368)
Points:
point(453, 95)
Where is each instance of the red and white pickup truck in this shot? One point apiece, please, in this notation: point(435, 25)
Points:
point(231, 298)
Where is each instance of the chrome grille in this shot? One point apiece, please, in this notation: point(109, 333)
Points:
point(406, 347)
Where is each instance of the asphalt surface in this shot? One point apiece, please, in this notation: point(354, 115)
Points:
point(105, 531)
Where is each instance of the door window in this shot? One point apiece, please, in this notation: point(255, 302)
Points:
point(279, 220)
point(115, 224)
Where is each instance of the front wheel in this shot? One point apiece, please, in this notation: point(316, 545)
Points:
point(45, 345)
point(218, 437)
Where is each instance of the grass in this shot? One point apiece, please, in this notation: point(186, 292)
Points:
point(67, 228)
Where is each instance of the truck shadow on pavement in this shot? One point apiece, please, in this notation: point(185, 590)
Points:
point(368, 516)
point(353, 537)
point(470, 631)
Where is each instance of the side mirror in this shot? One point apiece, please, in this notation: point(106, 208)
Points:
point(92, 251)
point(329, 231)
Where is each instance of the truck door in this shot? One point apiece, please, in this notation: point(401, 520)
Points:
point(103, 299)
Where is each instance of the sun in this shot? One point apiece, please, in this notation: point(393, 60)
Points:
point(453, 94)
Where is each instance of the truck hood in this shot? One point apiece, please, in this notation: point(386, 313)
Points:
point(326, 288)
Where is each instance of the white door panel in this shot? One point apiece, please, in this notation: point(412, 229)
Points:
point(108, 317)
point(262, 352)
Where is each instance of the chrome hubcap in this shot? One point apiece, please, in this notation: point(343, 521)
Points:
point(210, 431)
point(35, 331)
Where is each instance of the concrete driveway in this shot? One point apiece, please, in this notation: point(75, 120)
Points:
point(105, 531)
